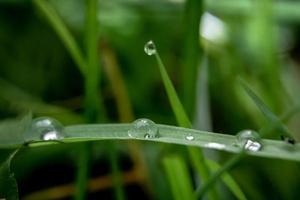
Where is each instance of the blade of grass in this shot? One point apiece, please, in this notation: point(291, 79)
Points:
point(93, 108)
point(180, 184)
point(230, 182)
point(195, 154)
point(83, 163)
point(116, 174)
point(8, 183)
point(92, 78)
point(62, 32)
point(167, 134)
point(92, 103)
point(124, 108)
point(176, 105)
point(183, 121)
point(193, 12)
point(200, 192)
point(202, 116)
point(275, 122)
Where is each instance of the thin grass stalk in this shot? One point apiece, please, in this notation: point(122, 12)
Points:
point(183, 121)
point(63, 33)
point(92, 103)
point(191, 58)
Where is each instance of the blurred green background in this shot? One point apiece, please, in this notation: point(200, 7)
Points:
point(257, 41)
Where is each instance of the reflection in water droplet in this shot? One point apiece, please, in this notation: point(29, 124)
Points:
point(190, 137)
point(150, 48)
point(214, 145)
point(249, 140)
point(252, 146)
point(45, 128)
point(143, 128)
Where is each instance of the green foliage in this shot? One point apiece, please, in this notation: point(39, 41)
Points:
point(181, 185)
point(75, 60)
point(8, 183)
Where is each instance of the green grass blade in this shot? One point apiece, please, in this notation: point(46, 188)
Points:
point(63, 33)
point(116, 173)
point(275, 122)
point(92, 103)
point(200, 192)
point(228, 180)
point(83, 164)
point(197, 160)
point(193, 12)
point(182, 120)
point(259, 103)
point(176, 105)
point(13, 130)
point(167, 134)
point(202, 119)
point(8, 183)
point(179, 178)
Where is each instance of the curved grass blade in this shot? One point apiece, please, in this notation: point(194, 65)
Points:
point(179, 178)
point(191, 58)
point(176, 105)
point(12, 130)
point(275, 122)
point(200, 192)
point(8, 183)
point(230, 182)
point(63, 33)
point(167, 134)
point(182, 120)
point(196, 155)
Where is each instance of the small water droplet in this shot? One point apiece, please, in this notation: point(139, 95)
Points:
point(143, 128)
point(249, 140)
point(215, 145)
point(190, 137)
point(150, 48)
point(45, 128)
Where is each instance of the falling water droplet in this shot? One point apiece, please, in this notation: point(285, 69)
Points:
point(143, 128)
point(45, 128)
point(189, 137)
point(249, 140)
point(150, 48)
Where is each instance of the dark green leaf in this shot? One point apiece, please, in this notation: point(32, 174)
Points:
point(8, 183)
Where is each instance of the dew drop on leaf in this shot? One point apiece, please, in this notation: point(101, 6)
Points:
point(249, 140)
point(189, 137)
point(150, 48)
point(143, 128)
point(45, 128)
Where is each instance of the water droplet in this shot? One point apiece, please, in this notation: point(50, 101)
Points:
point(190, 137)
point(150, 48)
point(45, 128)
point(249, 140)
point(143, 128)
point(214, 145)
